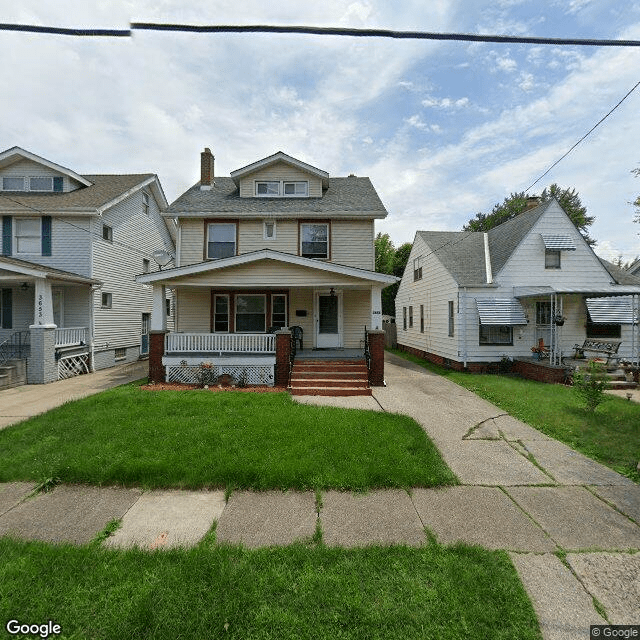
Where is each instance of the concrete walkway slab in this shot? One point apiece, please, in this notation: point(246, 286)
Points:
point(490, 462)
point(69, 513)
point(564, 609)
point(625, 499)
point(479, 515)
point(379, 517)
point(166, 519)
point(12, 493)
point(268, 518)
point(507, 427)
point(21, 403)
point(570, 467)
point(614, 579)
point(576, 519)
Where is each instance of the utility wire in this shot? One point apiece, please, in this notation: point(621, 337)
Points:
point(319, 31)
point(595, 126)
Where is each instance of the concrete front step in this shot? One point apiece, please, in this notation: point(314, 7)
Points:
point(621, 384)
point(329, 382)
point(330, 391)
point(330, 368)
point(13, 374)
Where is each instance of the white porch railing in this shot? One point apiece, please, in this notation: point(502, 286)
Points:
point(220, 343)
point(70, 336)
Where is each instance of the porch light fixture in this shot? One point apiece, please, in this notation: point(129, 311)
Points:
point(24, 286)
point(332, 292)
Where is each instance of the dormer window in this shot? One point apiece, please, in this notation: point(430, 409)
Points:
point(13, 184)
point(286, 189)
point(46, 184)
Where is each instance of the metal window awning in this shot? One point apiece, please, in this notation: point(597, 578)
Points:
point(558, 242)
point(618, 310)
point(500, 311)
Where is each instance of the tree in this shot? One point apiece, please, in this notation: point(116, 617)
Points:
point(393, 261)
point(516, 203)
point(385, 252)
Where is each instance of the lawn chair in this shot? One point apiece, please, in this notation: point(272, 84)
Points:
point(541, 350)
point(296, 335)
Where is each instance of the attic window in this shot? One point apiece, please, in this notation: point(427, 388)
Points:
point(552, 259)
point(34, 183)
point(145, 202)
point(276, 188)
point(267, 189)
point(13, 184)
point(296, 189)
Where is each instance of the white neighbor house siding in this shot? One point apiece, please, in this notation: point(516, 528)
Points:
point(434, 291)
point(116, 266)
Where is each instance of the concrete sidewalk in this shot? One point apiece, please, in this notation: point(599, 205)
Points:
point(24, 402)
point(520, 491)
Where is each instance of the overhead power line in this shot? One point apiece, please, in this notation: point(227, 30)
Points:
point(318, 31)
point(595, 126)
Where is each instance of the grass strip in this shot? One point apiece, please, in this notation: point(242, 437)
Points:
point(196, 439)
point(292, 592)
point(610, 435)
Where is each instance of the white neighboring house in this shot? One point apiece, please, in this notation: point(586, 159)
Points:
point(468, 299)
point(71, 246)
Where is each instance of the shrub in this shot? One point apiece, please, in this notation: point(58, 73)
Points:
point(590, 383)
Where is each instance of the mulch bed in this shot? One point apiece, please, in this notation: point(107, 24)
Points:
point(176, 386)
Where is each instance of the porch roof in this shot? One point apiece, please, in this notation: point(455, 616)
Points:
point(27, 271)
point(618, 310)
point(612, 290)
point(500, 311)
point(170, 276)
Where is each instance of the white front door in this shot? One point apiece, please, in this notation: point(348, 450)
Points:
point(328, 320)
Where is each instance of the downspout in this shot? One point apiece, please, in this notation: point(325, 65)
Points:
point(487, 259)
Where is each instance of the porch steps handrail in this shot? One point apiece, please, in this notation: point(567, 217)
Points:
point(16, 346)
point(69, 336)
point(220, 343)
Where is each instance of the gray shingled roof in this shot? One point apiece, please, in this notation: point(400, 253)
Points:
point(352, 195)
point(620, 275)
point(461, 253)
point(104, 189)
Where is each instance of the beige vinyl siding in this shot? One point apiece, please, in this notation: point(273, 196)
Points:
point(269, 273)
point(135, 236)
point(280, 171)
point(191, 241)
point(251, 236)
point(352, 243)
point(356, 314)
point(28, 168)
point(302, 299)
point(194, 310)
point(434, 291)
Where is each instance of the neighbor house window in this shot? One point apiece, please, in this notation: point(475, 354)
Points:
point(269, 230)
point(296, 189)
point(221, 240)
point(496, 334)
point(146, 265)
point(279, 310)
point(28, 236)
point(250, 313)
point(35, 183)
point(120, 353)
point(410, 317)
point(167, 303)
point(552, 259)
point(404, 318)
point(417, 268)
point(314, 240)
point(107, 300)
point(13, 184)
point(268, 189)
point(107, 234)
point(451, 320)
point(421, 318)
point(145, 202)
point(6, 309)
point(221, 314)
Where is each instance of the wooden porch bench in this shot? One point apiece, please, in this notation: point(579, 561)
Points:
point(595, 345)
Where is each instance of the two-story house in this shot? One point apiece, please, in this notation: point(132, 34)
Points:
point(71, 246)
point(469, 299)
point(277, 244)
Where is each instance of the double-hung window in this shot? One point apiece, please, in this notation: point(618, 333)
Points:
point(314, 240)
point(279, 310)
point(278, 188)
point(28, 236)
point(221, 240)
point(417, 268)
point(250, 313)
point(451, 319)
point(221, 313)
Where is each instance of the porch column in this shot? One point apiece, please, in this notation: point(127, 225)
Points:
point(41, 363)
point(283, 355)
point(376, 350)
point(157, 334)
point(376, 307)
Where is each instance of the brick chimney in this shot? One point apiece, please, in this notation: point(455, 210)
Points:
point(532, 202)
point(206, 169)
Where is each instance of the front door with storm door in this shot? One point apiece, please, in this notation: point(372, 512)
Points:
point(328, 320)
point(144, 334)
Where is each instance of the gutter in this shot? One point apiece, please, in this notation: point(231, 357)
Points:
point(487, 259)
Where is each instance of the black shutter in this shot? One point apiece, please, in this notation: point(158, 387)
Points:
point(6, 235)
point(46, 235)
point(7, 320)
point(57, 184)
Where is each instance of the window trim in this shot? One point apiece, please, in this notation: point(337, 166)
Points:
point(410, 316)
point(210, 221)
point(235, 311)
point(24, 183)
point(267, 182)
point(452, 326)
point(145, 203)
point(286, 309)
point(14, 233)
point(106, 302)
point(417, 268)
point(107, 232)
point(264, 230)
point(305, 183)
point(486, 343)
point(281, 186)
point(327, 223)
point(552, 252)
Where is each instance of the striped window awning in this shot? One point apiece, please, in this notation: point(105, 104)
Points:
point(558, 242)
point(500, 311)
point(613, 310)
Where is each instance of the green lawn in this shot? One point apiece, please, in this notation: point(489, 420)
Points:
point(295, 592)
point(610, 435)
point(194, 439)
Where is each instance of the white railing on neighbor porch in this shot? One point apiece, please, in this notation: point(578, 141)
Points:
point(70, 336)
point(220, 343)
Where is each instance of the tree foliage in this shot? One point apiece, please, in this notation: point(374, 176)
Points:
point(392, 261)
point(516, 203)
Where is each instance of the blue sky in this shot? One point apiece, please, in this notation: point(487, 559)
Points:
point(443, 129)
